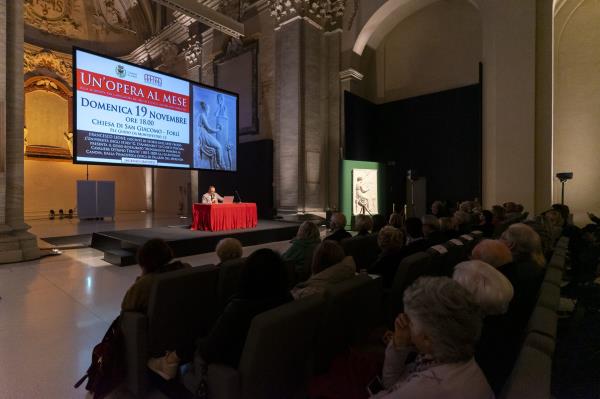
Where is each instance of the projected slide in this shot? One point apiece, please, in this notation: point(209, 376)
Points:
point(128, 115)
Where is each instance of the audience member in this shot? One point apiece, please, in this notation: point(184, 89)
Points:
point(154, 258)
point(330, 266)
point(229, 249)
point(363, 224)
point(390, 241)
point(499, 344)
point(438, 209)
point(492, 252)
point(462, 221)
point(301, 251)
point(486, 223)
point(524, 244)
point(378, 223)
point(415, 242)
point(448, 228)
point(491, 290)
point(442, 323)
point(338, 228)
point(431, 230)
point(499, 214)
point(396, 220)
point(263, 287)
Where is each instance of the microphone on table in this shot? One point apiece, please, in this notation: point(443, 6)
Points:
point(238, 195)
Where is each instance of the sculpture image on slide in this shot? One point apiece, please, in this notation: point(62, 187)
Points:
point(364, 191)
point(214, 130)
point(209, 145)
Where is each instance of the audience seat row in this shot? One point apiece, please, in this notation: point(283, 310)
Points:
point(531, 375)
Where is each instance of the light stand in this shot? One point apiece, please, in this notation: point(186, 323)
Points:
point(563, 177)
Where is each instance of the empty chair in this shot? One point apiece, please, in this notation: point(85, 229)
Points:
point(455, 255)
point(274, 363)
point(192, 293)
point(363, 249)
point(438, 254)
point(549, 296)
point(543, 321)
point(541, 342)
point(553, 276)
point(530, 377)
point(411, 268)
point(352, 309)
point(469, 242)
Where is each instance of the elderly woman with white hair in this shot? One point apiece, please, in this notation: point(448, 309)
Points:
point(442, 323)
point(499, 344)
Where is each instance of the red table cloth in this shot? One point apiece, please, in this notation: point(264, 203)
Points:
point(217, 217)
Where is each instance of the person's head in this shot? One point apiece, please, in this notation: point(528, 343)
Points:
point(430, 224)
point(396, 220)
point(390, 238)
point(491, 290)
point(466, 206)
point(228, 249)
point(554, 218)
point(437, 207)
point(414, 227)
point(563, 210)
point(154, 254)
point(220, 98)
point(211, 189)
point(510, 207)
point(338, 221)
point(363, 223)
point(461, 218)
point(378, 223)
point(492, 252)
point(519, 208)
point(486, 217)
point(588, 233)
point(308, 231)
point(499, 212)
point(445, 321)
point(327, 254)
point(447, 224)
point(264, 275)
point(204, 106)
point(524, 243)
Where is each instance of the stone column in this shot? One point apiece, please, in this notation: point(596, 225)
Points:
point(307, 50)
point(16, 243)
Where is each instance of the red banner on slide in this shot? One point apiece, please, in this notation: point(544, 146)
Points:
point(108, 86)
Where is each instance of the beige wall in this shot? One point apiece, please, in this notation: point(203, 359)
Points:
point(577, 104)
point(434, 49)
point(437, 47)
point(52, 185)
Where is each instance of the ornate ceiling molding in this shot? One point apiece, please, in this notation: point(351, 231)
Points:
point(39, 59)
point(54, 17)
point(206, 15)
point(327, 14)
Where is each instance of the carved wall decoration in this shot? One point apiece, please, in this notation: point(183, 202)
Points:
point(237, 71)
point(58, 17)
point(326, 13)
point(48, 129)
point(38, 59)
point(192, 52)
point(111, 15)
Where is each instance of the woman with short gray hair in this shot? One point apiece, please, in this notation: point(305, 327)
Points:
point(442, 322)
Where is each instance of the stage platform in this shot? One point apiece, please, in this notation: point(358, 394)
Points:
point(120, 246)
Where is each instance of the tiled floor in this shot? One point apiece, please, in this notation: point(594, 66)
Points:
point(54, 310)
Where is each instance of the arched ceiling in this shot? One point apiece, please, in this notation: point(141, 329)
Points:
point(386, 18)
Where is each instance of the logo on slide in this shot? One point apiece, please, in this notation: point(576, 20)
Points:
point(120, 70)
point(153, 80)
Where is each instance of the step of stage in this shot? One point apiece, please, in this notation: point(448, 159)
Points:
point(120, 257)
